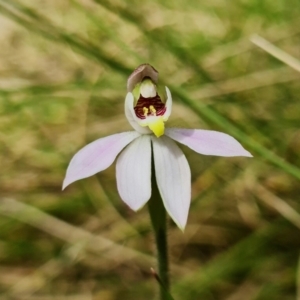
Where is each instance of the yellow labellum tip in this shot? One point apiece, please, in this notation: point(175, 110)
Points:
point(157, 126)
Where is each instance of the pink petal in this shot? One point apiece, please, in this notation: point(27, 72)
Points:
point(173, 178)
point(208, 142)
point(134, 173)
point(97, 156)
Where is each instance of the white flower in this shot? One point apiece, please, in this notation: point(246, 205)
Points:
point(147, 112)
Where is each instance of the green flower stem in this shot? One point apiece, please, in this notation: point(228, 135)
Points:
point(159, 222)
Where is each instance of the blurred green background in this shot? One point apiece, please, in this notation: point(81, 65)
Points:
point(63, 71)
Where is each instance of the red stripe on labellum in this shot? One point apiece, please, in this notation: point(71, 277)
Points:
point(156, 102)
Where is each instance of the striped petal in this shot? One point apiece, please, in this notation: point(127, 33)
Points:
point(208, 142)
point(134, 173)
point(173, 178)
point(97, 156)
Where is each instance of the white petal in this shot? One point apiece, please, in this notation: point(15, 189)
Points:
point(97, 156)
point(173, 178)
point(168, 105)
point(134, 173)
point(131, 117)
point(208, 142)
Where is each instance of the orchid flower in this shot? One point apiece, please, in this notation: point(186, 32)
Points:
point(147, 111)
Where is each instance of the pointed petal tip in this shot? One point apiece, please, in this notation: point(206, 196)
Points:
point(248, 154)
point(65, 184)
point(181, 224)
point(135, 208)
point(180, 221)
point(245, 153)
point(181, 227)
